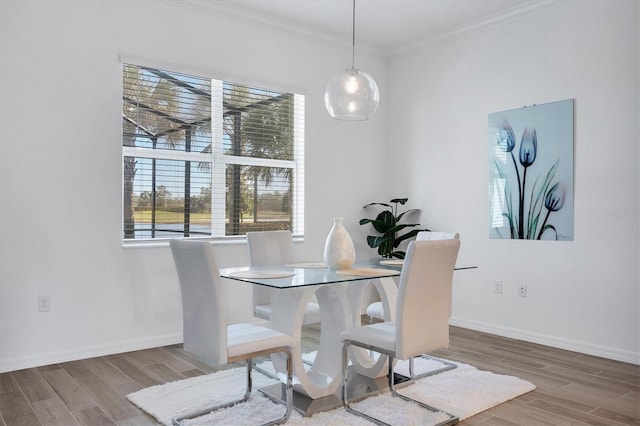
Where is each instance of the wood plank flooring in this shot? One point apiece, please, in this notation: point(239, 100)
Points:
point(572, 388)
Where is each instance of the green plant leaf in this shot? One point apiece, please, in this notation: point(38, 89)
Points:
point(408, 211)
point(375, 241)
point(402, 201)
point(384, 221)
point(378, 204)
point(400, 227)
point(379, 226)
point(408, 235)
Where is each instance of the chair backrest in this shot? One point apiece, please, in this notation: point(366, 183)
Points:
point(424, 297)
point(267, 248)
point(436, 235)
point(203, 305)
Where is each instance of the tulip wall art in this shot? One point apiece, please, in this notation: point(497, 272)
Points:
point(531, 172)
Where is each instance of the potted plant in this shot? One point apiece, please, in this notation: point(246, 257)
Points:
point(387, 224)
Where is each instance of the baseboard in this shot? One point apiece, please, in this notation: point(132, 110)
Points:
point(87, 352)
point(549, 340)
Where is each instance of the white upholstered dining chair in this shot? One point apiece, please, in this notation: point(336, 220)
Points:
point(376, 310)
point(273, 248)
point(422, 315)
point(206, 332)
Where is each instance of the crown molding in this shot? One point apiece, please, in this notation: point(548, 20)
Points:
point(508, 16)
point(228, 11)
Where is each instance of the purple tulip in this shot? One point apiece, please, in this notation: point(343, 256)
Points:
point(554, 200)
point(506, 138)
point(528, 147)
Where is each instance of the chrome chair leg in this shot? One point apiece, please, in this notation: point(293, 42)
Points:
point(345, 399)
point(177, 421)
point(452, 420)
point(392, 387)
point(288, 391)
point(448, 366)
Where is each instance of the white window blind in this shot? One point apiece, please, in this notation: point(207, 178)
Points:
point(209, 158)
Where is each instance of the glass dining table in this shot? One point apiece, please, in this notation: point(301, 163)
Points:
point(341, 298)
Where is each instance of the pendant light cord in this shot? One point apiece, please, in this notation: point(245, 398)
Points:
point(353, 45)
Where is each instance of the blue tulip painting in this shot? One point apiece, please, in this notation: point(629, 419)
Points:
point(531, 172)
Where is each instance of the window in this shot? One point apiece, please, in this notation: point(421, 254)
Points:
point(209, 158)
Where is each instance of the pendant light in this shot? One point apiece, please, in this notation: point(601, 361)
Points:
point(352, 94)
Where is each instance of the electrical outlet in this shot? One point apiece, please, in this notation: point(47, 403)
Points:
point(44, 303)
point(522, 290)
point(497, 287)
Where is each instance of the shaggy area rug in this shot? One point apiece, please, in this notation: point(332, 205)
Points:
point(464, 391)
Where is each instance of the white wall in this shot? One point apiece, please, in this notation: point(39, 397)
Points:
point(60, 168)
point(582, 295)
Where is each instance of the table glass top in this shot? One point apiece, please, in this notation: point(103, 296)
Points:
point(288, 276)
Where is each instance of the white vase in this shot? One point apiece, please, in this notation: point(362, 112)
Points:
point(339, 252)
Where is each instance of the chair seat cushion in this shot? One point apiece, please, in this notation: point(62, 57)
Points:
point(245, 338)
point(381, 335)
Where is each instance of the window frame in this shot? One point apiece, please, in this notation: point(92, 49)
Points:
point(217, 158)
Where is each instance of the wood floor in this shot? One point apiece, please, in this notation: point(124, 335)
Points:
point(572, 389)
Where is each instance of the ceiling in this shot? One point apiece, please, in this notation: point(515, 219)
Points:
point(384, 26)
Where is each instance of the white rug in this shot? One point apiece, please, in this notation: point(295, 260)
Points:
point(464, 391)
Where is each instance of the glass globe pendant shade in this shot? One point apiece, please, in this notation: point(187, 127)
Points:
point(351, 95)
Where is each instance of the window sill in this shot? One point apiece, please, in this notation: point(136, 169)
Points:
point(164, 242)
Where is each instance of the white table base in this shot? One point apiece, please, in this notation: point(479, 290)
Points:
point(341, 306)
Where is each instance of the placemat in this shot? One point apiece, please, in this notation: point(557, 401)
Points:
point(261, 274)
